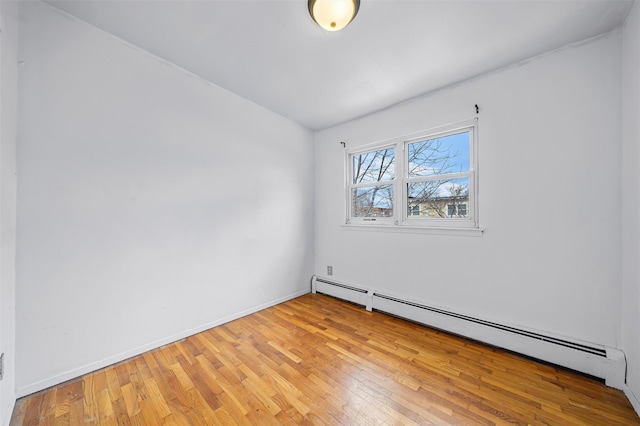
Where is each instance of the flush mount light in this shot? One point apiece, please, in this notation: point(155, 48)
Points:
point(333, 15)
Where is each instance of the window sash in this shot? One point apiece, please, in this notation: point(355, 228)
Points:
point(380, 205)
point(388, 174)
point(351, 186)
point(437, 222)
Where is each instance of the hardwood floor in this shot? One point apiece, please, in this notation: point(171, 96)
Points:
point(317, 360)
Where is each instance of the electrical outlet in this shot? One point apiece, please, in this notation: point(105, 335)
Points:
point(329, 270)
point(1, 365)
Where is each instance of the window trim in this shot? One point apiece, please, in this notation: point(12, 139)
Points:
point(401, 217)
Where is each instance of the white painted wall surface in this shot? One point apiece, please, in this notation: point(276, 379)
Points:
point(150, 203)
point(630, 341)
point(8, 127)
point(549, 160)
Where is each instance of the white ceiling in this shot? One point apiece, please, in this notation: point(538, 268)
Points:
point(272, 53)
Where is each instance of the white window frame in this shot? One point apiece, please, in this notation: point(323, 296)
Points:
point(401, 217)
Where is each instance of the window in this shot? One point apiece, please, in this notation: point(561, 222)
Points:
point(456, 210)
point(372, 184)
point(427, 179)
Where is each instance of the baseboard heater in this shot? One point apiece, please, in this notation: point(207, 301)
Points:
point(596, 360)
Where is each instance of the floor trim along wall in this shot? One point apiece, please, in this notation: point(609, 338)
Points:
point(7, 417)
point(635, 402)
point(80, 371)
point(597, 360)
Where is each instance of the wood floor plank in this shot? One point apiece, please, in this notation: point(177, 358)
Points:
point(320, 361)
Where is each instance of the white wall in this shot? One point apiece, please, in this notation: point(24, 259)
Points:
point(8, 126)
point(550, 158)
point(150, 203)
point(630, 341)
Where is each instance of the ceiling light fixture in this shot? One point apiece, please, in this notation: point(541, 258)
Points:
point(333, 15)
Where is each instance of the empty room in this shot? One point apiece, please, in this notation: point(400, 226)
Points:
point(330, 212)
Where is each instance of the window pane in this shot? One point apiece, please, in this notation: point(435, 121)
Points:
point(374, 166)
point(440, 198)
point(449, 154)
point(376, 201)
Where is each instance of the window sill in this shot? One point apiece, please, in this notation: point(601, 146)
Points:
point(406, 229)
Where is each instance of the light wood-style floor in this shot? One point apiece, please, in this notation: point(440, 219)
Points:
point(317, 360)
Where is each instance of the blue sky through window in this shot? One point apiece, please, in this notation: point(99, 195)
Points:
point(448, 154)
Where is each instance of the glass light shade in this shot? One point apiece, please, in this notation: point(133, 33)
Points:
point(333, 15)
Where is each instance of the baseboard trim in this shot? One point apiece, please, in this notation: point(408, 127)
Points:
point(97, 365)
point(633, 399)
point(7, 418)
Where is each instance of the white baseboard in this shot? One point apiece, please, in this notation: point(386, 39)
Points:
point(88, 368)
point(9, 413)
point(633, 399)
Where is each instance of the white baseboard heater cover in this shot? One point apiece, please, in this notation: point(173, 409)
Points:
point(596, 360)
